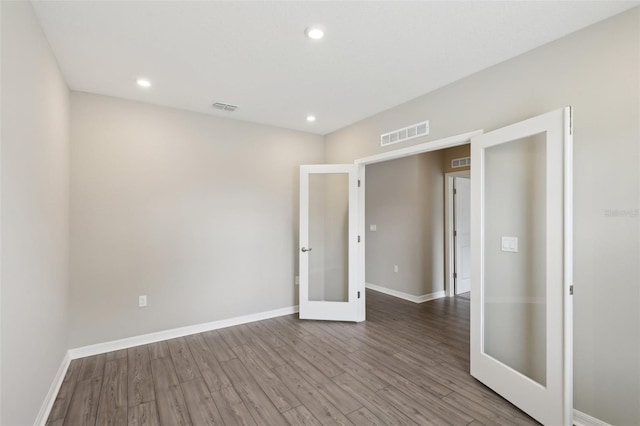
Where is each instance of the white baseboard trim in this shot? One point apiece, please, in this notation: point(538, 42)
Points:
point(47, 405)
point(583, 419)
point(406, 296)
point(144, 339)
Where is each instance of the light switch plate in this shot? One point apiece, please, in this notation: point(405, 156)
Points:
point(510, 244)
point(373, 228)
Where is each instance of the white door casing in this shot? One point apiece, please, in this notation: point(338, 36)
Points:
point(510, 230)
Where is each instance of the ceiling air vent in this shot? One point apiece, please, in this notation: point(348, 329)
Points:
point(460, 162)
point(225, 107)
point(404, 134)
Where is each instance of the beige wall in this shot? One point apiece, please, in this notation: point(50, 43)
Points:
point(449, 154)
point(198, 213)
point(597, 71)
point(35, 189)
point(405, 200)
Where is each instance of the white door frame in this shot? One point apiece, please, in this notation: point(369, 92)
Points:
point(435, 145)
point(449, 243)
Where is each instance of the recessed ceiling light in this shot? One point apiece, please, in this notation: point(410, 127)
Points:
point(311, 118)
point(314, 32)
point(143, 82)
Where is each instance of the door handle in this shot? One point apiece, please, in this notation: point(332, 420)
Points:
point(304, 249)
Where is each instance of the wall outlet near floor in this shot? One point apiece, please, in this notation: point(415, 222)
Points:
point(142, 301)
point(395, 268)
point(373, 228)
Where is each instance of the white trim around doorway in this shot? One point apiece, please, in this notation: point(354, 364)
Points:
point(461, 139)
point(449, 245)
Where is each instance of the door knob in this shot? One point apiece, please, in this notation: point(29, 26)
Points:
point(304, 249)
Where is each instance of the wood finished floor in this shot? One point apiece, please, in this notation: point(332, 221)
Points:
point(407, 364)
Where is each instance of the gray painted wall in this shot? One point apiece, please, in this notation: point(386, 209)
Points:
point(596, 70)
point(35, 190)
point(198, 213)
point(405, 200)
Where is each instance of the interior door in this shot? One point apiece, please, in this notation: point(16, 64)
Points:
point(521, 310)
point(462, 224)
point(328, 242)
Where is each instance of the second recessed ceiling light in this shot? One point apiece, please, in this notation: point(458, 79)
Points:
point(143, 82)
point(314, 32)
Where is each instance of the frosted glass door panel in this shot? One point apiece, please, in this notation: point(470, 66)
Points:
point(515, 255)
point(329, 237)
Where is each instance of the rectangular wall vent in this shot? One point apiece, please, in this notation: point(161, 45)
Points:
point(225, 107)
point(404, 134)
point(460, 162)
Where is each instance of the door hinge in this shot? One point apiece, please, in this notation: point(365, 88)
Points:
point(570, 121)
point(455, 191)
point(571, 290)
point(358, 238)
point(455, 276)
point(358, 295)
point(358, 183)
point(455, 233)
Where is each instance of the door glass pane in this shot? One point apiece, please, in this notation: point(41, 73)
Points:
point(328, 237)
point(515, 255)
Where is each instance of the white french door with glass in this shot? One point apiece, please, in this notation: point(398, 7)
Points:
point(521, 230)
point(329, 286)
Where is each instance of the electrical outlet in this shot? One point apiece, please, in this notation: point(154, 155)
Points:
point(142, 301)
point(297, 280)
point(395, 268)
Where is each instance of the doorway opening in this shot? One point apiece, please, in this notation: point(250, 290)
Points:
point(403, 223)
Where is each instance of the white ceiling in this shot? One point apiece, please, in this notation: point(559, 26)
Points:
point(254, 54)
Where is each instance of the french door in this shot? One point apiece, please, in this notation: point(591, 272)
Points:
point(521, 228)
point(328, 251)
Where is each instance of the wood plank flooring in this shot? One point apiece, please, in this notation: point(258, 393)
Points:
point(407, 364)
